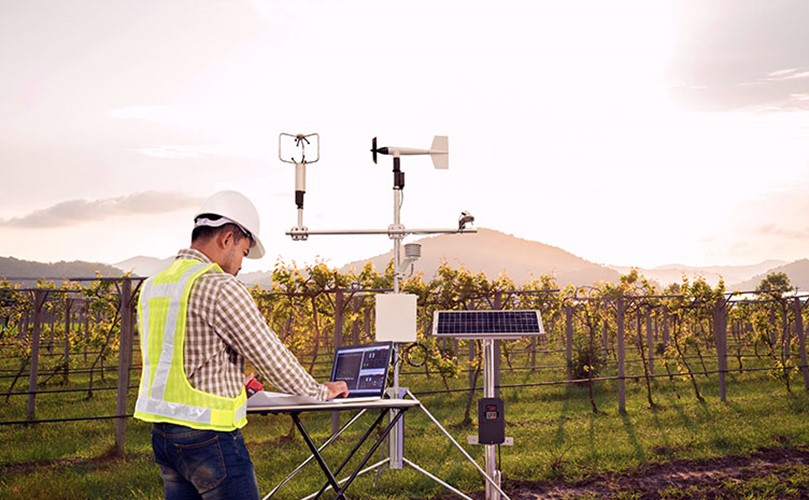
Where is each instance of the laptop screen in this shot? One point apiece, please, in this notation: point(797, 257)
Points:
point(364, 368)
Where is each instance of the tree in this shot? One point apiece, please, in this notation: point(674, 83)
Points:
point(775, 286)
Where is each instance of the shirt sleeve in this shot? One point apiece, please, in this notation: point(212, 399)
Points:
point(240, 323)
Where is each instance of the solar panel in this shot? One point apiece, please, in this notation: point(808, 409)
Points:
point(487, 324)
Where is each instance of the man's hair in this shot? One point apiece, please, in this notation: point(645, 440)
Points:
point(205, 233)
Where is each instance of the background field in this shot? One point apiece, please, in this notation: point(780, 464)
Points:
point(557, 438)
point(626, 379)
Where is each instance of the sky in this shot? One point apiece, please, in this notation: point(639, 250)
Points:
point(626, 132)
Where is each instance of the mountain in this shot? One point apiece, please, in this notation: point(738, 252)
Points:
point(260, 278)
point(797, 271)
point(149, 266)
point(487, 251)
point(144, 266)
point(15, 269)
point(673, 273)
point(494, 253)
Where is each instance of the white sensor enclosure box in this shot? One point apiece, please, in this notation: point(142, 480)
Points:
point(396, 317)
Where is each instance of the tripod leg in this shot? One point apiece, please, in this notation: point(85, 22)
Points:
point(460, 448)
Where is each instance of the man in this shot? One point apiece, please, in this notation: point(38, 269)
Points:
point(198, 326)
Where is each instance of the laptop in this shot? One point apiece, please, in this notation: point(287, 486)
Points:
point(364, 368)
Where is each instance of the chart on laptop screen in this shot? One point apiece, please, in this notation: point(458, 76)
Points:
point(363, 368)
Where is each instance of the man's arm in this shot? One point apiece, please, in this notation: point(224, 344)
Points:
point(239, 322)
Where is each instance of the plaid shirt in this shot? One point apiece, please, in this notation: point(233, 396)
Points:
point(224, 328)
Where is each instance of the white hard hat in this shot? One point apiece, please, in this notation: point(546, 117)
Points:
point(235, 207)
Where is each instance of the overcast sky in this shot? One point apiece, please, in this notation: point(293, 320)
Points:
point(628, 132)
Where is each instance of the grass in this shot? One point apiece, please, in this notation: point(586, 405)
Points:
point(556, 436)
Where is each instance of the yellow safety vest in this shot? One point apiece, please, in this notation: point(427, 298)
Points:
point(165, 394)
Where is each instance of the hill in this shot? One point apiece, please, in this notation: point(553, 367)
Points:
point(144, 266)
point(487, 251)
point(149, 266)
point(673, 273)
point(797, 271)
point(14, 269)
point(494, 253)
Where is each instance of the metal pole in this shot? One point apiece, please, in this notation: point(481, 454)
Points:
point(497, 354)
point(396, 437)
point(338, 341)
point(489, 392)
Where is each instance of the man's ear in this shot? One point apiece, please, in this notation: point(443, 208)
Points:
point(224, 239)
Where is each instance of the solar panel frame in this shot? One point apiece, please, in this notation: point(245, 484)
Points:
point(497, 324)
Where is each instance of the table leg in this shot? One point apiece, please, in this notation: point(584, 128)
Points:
point(385, 433)
point(354, 450)
point(316, 454)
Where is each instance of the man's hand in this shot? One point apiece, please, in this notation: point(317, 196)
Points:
point(337, 389)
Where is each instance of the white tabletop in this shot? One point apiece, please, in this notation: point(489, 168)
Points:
point(275, 405)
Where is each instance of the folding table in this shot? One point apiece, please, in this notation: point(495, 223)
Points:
point(399, 406)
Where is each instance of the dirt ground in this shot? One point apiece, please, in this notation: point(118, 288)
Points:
point(678, 479)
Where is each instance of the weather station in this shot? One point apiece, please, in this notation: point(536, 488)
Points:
point(395, 312)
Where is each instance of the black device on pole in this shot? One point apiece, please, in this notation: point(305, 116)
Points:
point(491, 421)
point(398, 175)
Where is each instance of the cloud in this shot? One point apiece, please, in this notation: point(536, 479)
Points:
point(75, 212)
point(786, 74)
point(736, 55)
point(778, 231)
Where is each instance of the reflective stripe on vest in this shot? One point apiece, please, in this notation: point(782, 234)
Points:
point(165, 394)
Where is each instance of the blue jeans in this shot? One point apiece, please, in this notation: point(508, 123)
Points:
point(203, 464)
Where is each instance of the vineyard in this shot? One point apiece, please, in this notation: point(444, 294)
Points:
point(69, 353)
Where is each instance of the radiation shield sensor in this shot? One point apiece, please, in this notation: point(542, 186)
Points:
point(396, 317)
point(297, 155)
point(292, 148)
point(511, 324)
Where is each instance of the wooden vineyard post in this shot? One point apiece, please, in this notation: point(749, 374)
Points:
point(604, 340)
point(368, 321)
point(40, 296)
point(801, 340)
point(68, 307)
point(787, 334)
point(355, 325)
point(621, 356)
point(569, 340)
point(721, 338)
point(650, 340)
point(124, 362)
